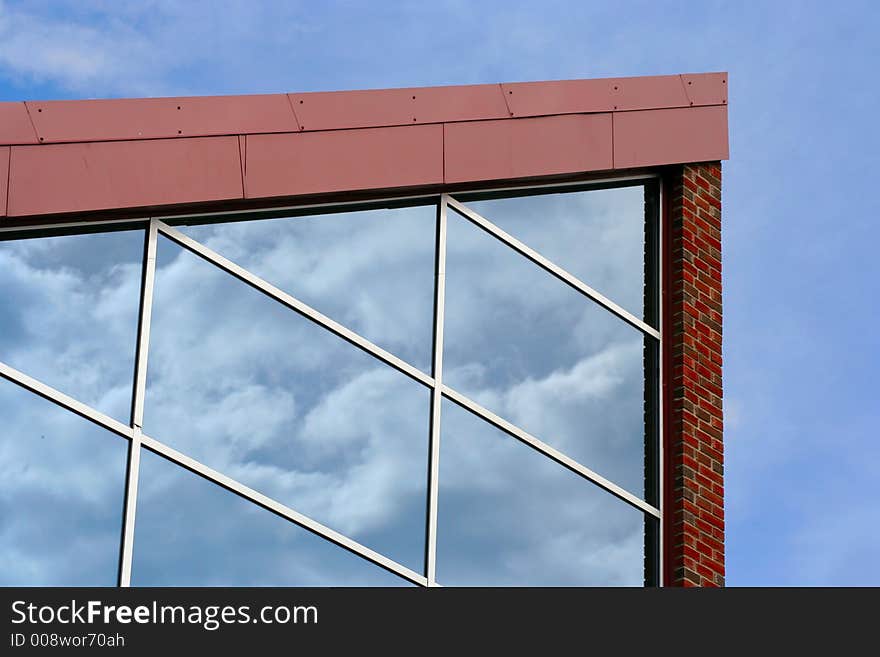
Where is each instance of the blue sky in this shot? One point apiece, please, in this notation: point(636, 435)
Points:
point(801, 412)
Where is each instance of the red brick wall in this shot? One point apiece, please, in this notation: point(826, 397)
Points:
point(694, 449)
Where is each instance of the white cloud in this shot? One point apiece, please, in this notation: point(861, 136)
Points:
point(78, 55)
point(372, 271)
point(100, 49)
point(61, 498)
point(74, 329)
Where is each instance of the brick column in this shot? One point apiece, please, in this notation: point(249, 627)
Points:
point(694, 450)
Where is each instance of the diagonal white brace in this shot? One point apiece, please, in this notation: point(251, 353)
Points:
point(294, 304)
point(284, 511)
point(553, 453)
point(552, 268)
point(64, 401)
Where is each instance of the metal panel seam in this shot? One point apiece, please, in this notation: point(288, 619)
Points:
point(504, 97)
point(8, 179)
point(31, 121)
point(293, 111)
point(303, 129)
point(655, 109)
point(684, 87)
point(242, 159)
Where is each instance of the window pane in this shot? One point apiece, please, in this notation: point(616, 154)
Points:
point(191, 532)
point(62, 482)
point(509, 516)
point(541, 355)
point(372, 271)
point(68, 314)
point(597, 235)
point(254, 390)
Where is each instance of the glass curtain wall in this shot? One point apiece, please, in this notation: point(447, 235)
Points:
point(459, 390)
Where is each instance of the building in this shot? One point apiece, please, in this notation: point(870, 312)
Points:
point(452, 335)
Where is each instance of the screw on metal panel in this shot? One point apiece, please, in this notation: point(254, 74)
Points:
point(692, 102)
point(180, 132)
point(723, 81)
point(414, 97)
point(40, 109)
point(510, 92)
point(615, 107)
point(414, 118)
point(300, 102)
point(615, 87)
point(690, 82)
point(41, 139)
point(178, 107)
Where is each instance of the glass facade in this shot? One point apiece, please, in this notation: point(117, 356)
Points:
point(458, 390)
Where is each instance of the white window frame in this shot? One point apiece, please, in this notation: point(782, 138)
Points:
point(133, 432)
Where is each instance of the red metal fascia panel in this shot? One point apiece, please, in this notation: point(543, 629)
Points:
point(670, 136)
point(4, 178)
point(336, 110)
point(15, 126)
point(519, 148)
point(353, 109)
point(462, 103)
point(602, 95)
point(154, 118)
point(47, 179)
point(343, 160)
point(705, 88)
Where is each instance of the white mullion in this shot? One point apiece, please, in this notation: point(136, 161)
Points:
point(130, 508)
point(436, 395)
point(137, 407)
point(64, 401)
point(552, 268)
point(146, 313)
point(294, 304)
point(286, 512)
point(547, 450)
